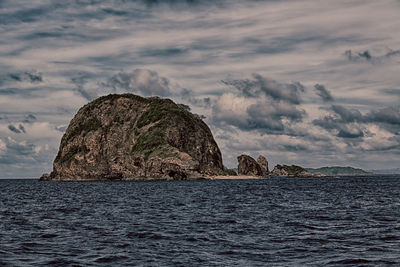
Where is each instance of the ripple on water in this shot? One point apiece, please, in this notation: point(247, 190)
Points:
point(345, 221)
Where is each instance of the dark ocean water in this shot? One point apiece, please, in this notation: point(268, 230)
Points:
point(274, 222)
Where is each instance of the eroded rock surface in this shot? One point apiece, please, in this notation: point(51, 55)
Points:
point(293, 171)
point(262, 161)
point(124, 137)
point(248, 166)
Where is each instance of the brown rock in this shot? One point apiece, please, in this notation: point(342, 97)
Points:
point(293, 171)
point(279, 171)
point(248, 166)
point(126, 137)
point(262, 161)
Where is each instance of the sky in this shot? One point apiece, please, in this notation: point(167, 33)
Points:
point(306, 82)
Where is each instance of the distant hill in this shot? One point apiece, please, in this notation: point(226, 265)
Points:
point(387, 171)
point(336, 170)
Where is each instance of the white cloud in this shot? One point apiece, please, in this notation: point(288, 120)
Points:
point(142, 81)
point(295, 40)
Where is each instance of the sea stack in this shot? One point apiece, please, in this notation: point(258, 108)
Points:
point(262, 161)
point(248, 166)
point(128, 137)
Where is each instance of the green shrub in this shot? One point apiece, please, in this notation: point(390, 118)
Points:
point(230, 172)
point(91, 124)
point(149, 141)
point(293, 169)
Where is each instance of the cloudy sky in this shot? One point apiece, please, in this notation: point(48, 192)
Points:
point(306, 82)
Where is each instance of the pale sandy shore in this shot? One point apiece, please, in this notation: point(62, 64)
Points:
point(238, 177)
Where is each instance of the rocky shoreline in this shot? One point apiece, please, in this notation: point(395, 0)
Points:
point(259, 168)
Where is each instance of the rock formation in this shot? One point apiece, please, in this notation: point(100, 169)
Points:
point(280, 170)
point(124, 137)
point(248, 166)
point(262, 161)
point(293, 171)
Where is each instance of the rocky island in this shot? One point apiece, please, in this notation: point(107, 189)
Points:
point(249, 166)
point(128, 137)
point(339, 171)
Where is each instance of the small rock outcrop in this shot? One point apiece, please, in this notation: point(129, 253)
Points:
point(262, 161)
point(280, 170)
point(128, 137)
point(248, 166)
point(293, 171)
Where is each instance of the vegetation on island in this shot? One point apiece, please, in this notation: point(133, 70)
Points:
point(108, 135)
point(337, 171)
point(159, 113)
point(291, 169)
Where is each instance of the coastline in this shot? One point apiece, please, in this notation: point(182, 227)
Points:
point(232, 177)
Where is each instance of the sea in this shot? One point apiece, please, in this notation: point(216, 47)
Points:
point(338, 221)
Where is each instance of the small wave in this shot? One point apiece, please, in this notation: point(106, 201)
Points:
point(227, 252)
point(350, 261)
point(229, 221)
point(62, 262)
point(125, 245)
point(109, 259)
point(29, 245)
point(389, 238)
point(202, 222)
point(147, 235)
point(48, 235)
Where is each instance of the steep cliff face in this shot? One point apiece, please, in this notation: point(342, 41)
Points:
point(123, 137)
point(248, 166)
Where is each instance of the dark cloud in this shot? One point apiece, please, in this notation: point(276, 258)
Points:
point(201, 45)
point(263, 105)
point(29, 118)
point(167, 52)
point(390, 115)
point(347, 134)
point(276, 111)
point(80, 82)
point(14, 129)
point(17, 152)
point(21, 128)
point(27, 15)
point(189, 96)
point(347, 115)
point(115, 12)
point(341, 117)
point(393, 53)
point(263, 86)
point(175, 3)
point(327, 122)
point(142, 81)
point(33, 77)
point(10, 91)
point(323, 93)
point(26, 76)
point(295, 148)
point(394, 92)
point(367, 56)
point(339, 127)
